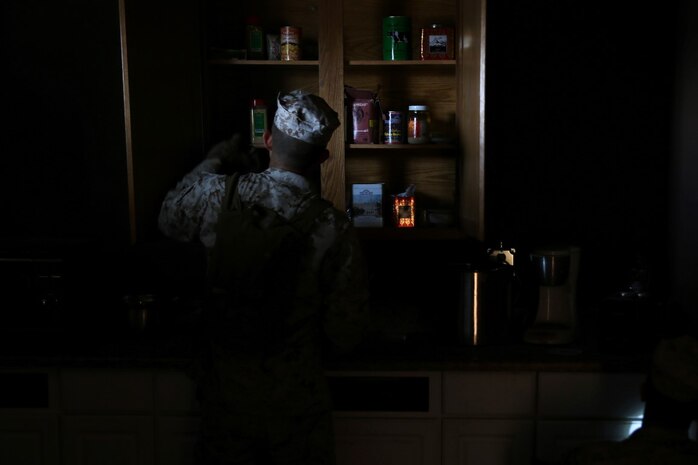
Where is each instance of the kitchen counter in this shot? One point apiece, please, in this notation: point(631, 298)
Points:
point(174, 349)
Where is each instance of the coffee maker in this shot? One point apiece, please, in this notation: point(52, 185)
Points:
point(556, 270)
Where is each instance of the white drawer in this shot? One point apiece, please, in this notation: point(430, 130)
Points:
point(107, 390)
point(590, 395)
point(489, 394)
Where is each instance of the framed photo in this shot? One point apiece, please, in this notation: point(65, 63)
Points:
point(367, 205)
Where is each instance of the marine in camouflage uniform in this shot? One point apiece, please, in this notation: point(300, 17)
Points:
point(277, 403)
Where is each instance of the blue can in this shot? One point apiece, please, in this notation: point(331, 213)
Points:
point(393, 128)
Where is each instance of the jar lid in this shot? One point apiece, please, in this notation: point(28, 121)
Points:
point(418, 108)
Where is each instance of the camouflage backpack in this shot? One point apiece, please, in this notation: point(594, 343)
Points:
point(253, 270)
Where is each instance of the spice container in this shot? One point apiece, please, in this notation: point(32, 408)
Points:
point(254, 38)
point(418, 125)
point(258, 122)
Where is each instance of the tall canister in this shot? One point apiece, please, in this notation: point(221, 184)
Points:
point(484, 305)
point(396, 38)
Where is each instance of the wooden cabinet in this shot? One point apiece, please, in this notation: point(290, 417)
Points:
point(343, 46)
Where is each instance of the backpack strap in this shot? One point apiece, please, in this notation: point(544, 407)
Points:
point(303, 220)
point(232, 199)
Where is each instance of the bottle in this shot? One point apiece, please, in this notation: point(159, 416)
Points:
point(254, 38)
point(418, 124)
point(258, 122)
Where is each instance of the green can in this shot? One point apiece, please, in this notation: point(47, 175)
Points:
point(396, 38)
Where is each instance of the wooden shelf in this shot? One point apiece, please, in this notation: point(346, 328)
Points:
point(238, 62)
point(411, 234)
point(402, 62)
point(402, 146)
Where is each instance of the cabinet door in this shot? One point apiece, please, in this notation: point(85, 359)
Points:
point(104, 390)
point(176, 440)
point(591, 395)
point(374, 441)
point(488, 442)
point(490, 394)
point(177, 420)
point(28, 439)
point(557, 438)
point(107, 440)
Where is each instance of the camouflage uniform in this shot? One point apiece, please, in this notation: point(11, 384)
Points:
point(281, 398)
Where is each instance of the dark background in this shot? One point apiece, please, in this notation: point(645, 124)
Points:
point(590, 134)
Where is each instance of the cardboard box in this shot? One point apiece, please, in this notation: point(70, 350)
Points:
point(367, 205)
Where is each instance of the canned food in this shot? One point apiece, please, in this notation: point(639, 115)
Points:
point(393, 128)
point(290, 43)
point(396, 38)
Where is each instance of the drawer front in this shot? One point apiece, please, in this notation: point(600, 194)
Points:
point(389, 393)
point(107, 390)
point(590, 395)
point(489, 394)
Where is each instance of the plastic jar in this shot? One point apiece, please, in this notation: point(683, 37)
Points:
point(418, 124)
point(254, 38)
point(258, 122)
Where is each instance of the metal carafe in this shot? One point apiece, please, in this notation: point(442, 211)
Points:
point(486, 294)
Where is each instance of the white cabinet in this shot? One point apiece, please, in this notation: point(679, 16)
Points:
point(107, 439)
point(177, 418)
point(107, 417)
point(489, 417)
point(29, 431)
point(487, 442)
point(128, 417)
point(387, 417)
point(577, 408)
point(378, 441)
point(28, 438)
point(489, 394)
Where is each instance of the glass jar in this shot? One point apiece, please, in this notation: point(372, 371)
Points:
point(418, 123)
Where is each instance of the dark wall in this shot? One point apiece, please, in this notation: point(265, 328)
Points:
point(685, 166)
point(579, 118)
point(63, 143)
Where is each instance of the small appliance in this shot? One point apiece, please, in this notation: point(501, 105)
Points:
point(556, 269)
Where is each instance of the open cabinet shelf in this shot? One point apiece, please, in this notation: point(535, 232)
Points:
point(342, 46)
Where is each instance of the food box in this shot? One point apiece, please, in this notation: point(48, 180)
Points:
point(363, 105)
point(367, 205)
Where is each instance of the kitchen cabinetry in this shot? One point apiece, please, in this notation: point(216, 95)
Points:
point(607, 406)
point(128, 417)
point(343, 46)
point(452, 417)
point(29, 430)
point(388, 417)
point(489, 417)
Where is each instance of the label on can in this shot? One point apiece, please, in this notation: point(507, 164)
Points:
point(392, 128)
point(290, 43)
point(396, 38)
point(273, 52)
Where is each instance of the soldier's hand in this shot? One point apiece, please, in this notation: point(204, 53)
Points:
point(235, 158)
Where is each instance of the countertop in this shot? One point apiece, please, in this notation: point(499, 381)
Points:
point(173, 349)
